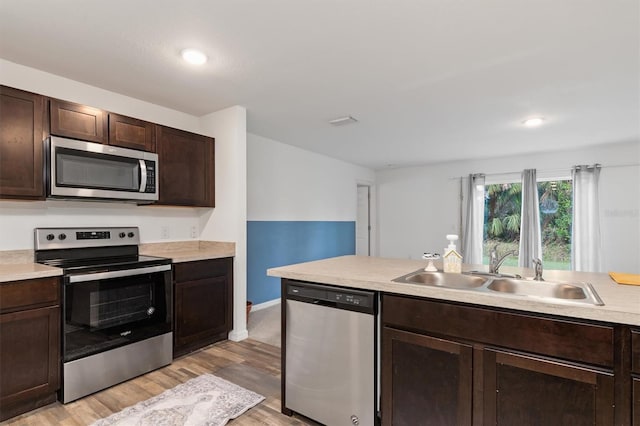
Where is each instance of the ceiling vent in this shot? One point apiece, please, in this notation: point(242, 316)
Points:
point(341, 121)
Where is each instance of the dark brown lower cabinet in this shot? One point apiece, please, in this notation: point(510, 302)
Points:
point(203, 301)
point(636, 401)
point(29, 346)
point(427, 381)
point(445, 363)
point(521, 389)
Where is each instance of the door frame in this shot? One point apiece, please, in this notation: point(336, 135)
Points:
point(373, 229)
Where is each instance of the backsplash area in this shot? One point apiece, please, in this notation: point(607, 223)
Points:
point(157, 224)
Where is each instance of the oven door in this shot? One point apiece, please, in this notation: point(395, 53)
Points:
point(106, 310)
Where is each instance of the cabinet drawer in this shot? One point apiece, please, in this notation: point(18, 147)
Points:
point(635, 351)
point(200, 269)
point(23, 294)
point(520, 331)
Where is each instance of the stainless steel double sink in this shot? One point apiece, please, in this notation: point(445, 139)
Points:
point(558, 292)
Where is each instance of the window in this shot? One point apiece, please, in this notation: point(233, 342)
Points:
point(502, 220)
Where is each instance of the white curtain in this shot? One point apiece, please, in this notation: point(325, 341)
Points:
point(530, 237)
point(585, 235)
point(473, 230)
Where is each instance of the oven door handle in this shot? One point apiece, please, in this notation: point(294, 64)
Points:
point(117, 274)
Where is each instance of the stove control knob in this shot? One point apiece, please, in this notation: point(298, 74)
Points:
point(131, 234)
point(62, 237)
point(121, 235)
point(50, 237)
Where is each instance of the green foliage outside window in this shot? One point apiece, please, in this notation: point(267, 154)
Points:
point(502, 220)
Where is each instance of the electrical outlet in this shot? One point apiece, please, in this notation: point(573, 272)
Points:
point(194, 232)
point(164, 232)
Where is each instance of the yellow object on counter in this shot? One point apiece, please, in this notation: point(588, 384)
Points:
point(621, 278)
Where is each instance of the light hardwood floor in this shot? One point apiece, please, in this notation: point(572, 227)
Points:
point(250, 364)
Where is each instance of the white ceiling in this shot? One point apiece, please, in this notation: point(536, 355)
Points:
point(428, 80)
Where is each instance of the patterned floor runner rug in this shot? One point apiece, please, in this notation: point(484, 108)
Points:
point(205, 400)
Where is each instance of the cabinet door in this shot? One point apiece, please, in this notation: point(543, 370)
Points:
point(635, 380)
point(425, 380)
point(186, 167)
point(131, 133)
point(29, 359)
point(636, 401)
point(21, 135)
point(200, 314)
point(635, 351)
point(525, 390)
point(78, 121)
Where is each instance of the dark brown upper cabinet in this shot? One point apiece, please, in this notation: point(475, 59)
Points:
point(78, 121)
point(21, 134)
point(131, 133)
point(186, 168)
point(95, 125)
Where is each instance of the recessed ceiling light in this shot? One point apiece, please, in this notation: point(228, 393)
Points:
point(193, 56)
point(533, 122)
point(347, 119)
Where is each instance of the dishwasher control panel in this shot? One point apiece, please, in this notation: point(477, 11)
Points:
point(326, 295)
point(348, 298)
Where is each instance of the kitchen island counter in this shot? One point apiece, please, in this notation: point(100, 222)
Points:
point(621, 302)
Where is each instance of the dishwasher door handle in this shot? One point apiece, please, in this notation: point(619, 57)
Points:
point(327, 303)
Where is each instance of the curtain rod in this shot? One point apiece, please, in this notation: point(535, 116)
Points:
point(562, 169)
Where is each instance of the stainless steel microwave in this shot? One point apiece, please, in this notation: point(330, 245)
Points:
point(85, 170)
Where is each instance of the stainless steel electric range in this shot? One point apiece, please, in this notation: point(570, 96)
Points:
point(116, 306)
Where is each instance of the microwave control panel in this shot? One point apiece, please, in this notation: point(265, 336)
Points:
point(151, 176)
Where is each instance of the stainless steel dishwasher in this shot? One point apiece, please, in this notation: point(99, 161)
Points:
point(330, 353)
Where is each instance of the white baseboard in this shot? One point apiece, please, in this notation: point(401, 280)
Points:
point(265, 305)
point(238, 335)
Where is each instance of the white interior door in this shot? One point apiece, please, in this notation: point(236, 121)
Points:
point(363, 226)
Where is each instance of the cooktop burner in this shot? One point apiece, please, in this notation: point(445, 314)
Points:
point(92, 249)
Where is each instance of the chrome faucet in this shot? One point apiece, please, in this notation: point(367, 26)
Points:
point(495, 261)
point(537, 265)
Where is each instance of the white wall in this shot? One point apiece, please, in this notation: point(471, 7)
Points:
point(228, 221)
point(289, 183)
point(19, 218)
point(418, 206)
point(33, 80)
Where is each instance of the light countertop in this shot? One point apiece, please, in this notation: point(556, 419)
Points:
point(188, 251)
point(26, 271)
point(621, 302)
point(18, 265)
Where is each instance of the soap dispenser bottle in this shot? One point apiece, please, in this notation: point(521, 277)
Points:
point(452, 260)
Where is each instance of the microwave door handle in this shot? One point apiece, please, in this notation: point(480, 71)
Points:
point(143, 175)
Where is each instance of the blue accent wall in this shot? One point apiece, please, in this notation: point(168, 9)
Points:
point(278, 243)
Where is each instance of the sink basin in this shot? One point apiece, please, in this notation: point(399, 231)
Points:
point(441, 279)
point(558, 292)
point(582, 292)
